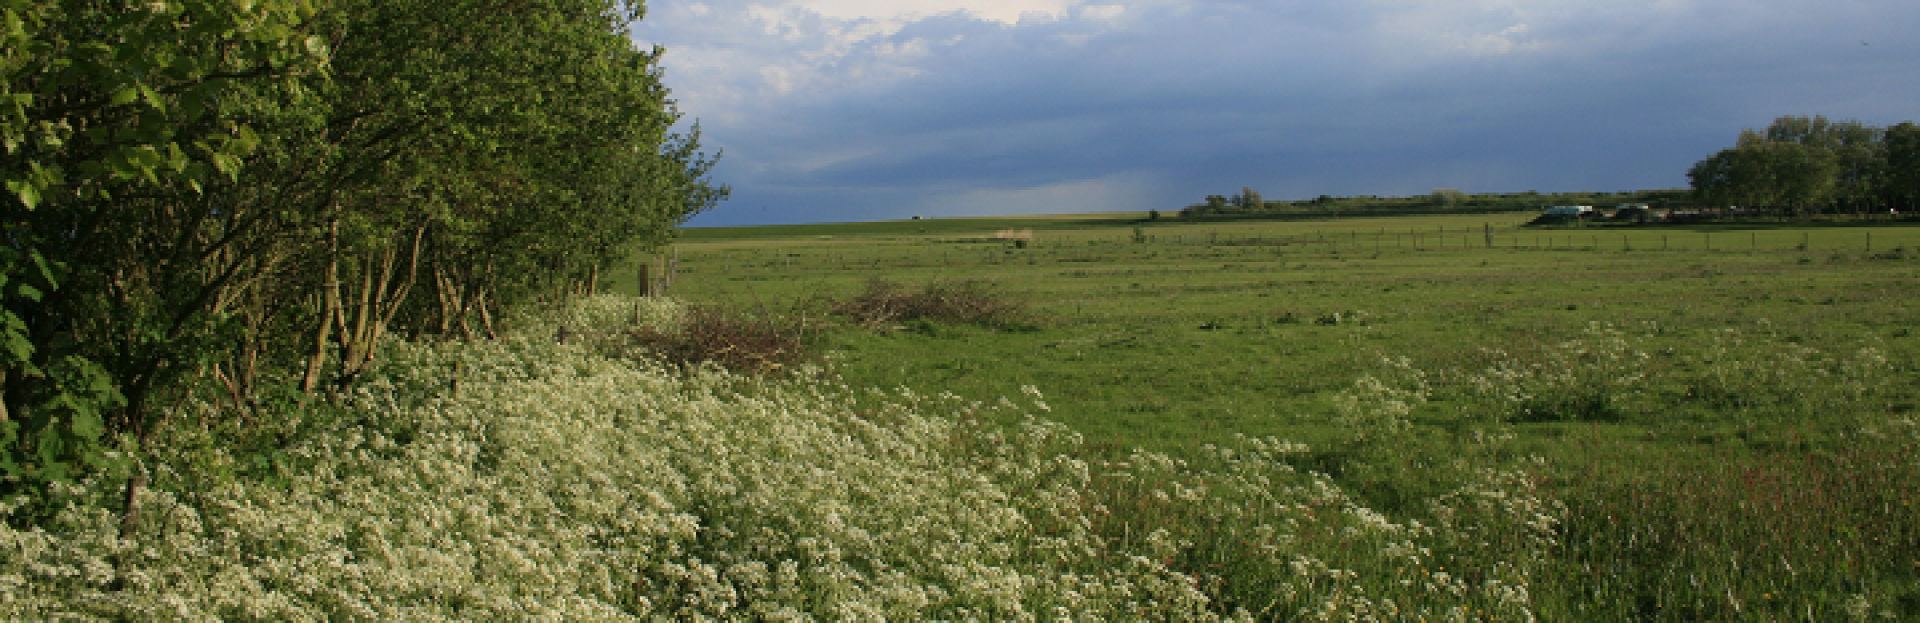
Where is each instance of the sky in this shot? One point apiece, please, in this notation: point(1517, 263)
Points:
point(857, 110)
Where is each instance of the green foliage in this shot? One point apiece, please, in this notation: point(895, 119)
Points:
point(239, 197)
point(1800, 165)
point(1901, 169)
point(53, 413)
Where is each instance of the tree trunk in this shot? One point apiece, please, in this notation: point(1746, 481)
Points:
point(380, 298)
point(329, 309)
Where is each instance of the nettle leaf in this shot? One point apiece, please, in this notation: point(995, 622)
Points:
point(224, 163)
point(153, 98)
point(46, 268)
point(18, 347)
point(26, 191)
point(247, 141)
point(176, 158)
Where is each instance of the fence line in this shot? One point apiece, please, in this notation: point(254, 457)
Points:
point(1488, 238)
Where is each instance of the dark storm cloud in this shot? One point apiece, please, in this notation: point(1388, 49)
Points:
point(1160, 103)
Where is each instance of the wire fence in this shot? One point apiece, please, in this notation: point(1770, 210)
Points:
point(1094, 247)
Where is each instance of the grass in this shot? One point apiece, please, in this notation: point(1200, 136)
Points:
point(1710, 378)
point(1172, 344)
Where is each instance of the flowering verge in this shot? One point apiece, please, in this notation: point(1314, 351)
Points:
point(526, 478)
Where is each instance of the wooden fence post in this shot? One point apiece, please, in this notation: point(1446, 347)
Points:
point(646, 278)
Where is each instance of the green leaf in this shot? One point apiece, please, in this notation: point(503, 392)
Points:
point(125, 95)
point(26, 191)
point(18, 347)
point(153, 99)
point(46, 271)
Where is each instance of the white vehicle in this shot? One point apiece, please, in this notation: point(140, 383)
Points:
point(1569, 210)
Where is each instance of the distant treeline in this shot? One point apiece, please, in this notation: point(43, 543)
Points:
point(1797, 167)
point(1248, 204)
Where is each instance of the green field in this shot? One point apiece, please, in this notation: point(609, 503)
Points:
point(1207, 331)
point(1657, 368)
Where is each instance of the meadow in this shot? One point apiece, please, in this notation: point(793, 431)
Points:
point(1203, 331)
point(1398, 419)
point(1737, 372)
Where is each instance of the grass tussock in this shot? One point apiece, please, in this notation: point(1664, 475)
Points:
point(884, 304)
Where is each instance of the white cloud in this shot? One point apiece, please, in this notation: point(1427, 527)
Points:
point(1005, 11)
point(1101, 11)
point(1510, 39)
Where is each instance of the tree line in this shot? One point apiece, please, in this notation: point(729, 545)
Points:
point(1250, 205)
point(1798, 166)
point(1807, 165)
point(230, 200)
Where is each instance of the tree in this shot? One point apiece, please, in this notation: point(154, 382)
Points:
point(1803, 176)
point(1448, 198)
point(1786, 177)
point(1900, 172)
point(1250, 200)
point(255, 192)
point(1815, 131)
point(1854, 147)
point(118, 119)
